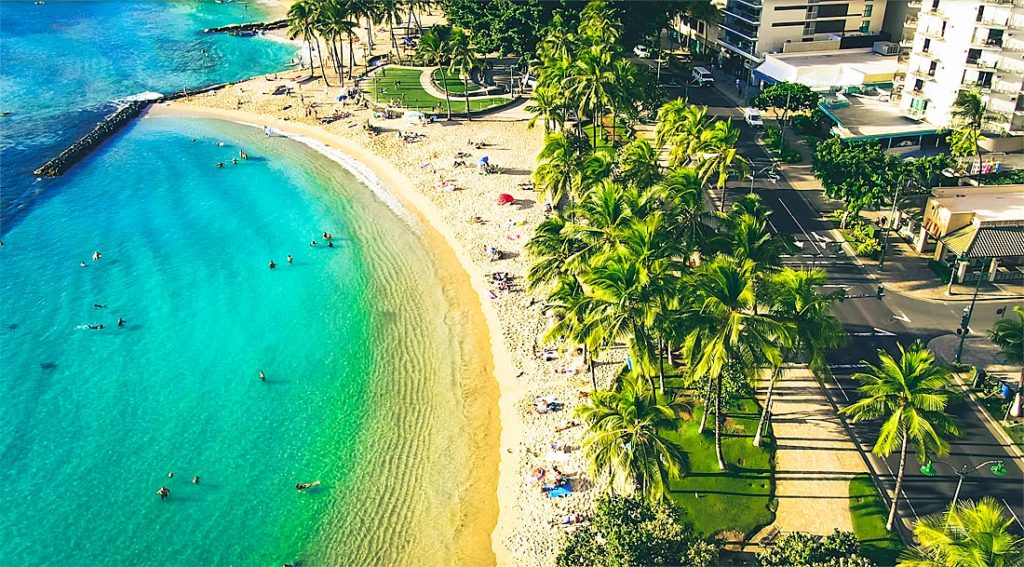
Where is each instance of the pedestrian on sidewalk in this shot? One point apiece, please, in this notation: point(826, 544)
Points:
point(739, 86)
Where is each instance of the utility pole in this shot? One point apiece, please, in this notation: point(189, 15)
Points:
point(965, 321)
point(889, 223)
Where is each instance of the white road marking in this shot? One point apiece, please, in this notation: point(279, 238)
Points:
point(1015, 518)
point(901, 317)
point(792, 216)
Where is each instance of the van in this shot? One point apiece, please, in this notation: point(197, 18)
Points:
point(702, 76)
point(752, 117)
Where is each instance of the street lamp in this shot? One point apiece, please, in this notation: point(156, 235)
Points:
point(512, 79)
point(889, 222)
point(997, 469)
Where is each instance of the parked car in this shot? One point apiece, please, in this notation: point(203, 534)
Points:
point(702, 77)
point(529, 81)
point(752, 117)
point(641, 52)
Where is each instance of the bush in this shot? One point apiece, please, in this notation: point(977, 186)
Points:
point(776, 143)
point(836, 549)
point(870, 248)
point(789, 155)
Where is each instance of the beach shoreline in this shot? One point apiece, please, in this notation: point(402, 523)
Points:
point(464, 279)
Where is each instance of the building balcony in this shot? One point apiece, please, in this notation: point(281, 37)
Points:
point(983, 86)
point(914, 113)
point(979, 65)
point(746, 15)
point(1014, 47)
point(994, 23)
point(935, 12)
point(930, 55)
point(738, 46)
point(754, 3)
point(997, 2)
point(1006, 88)
point(993, 44)
point(914, 4)
point(740, 29)
point(935, 35)
point(922, 73)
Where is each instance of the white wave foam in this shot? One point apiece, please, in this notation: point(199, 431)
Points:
point(148, 95)
point(362, 173)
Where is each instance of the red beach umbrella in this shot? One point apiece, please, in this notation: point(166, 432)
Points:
point(506, 199)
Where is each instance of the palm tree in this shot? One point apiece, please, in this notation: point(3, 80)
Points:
point(969, 535)
point(555, 252)
point(969, 115)
point(703, 11)
point(751, 238)
point(638, 164)
point(370, 11)
point(335, 20)
point(717, 152)
point(684, 202)
point(1008, 335)
point(724, 332)
point(591, 82)
point(794, 295)
point(546, 104)
point(301, 22)
point(681, 126)
point(910, 397)
point(625, 441)
point(462, 57)
point(391, 12)
point(558, 171)
point(433, 50)
point(568, 303)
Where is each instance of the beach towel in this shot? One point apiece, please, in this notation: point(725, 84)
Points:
point(559, 491)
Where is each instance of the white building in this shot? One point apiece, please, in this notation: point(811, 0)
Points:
point(697, 35)
point(967, 44)
point(751, 28)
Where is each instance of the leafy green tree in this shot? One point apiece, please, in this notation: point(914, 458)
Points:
point(700, 11)
point(591, 83)
point(786, 97)
point(858, 173)
point(625, 444)
point(501, 26)
point(302, 20)
point(838, 548)
point(631, 532)
point(1008, 335)
point(973, 534)
point(910, 397)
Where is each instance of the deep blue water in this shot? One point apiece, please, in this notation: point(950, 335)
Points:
point(63, 64)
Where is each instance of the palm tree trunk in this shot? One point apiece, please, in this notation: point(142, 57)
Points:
point(596, 126)
point(448, 98)
point(766, 412)
point(589, 356)
point(718, 424)
point(465, 85)
point(394, 42)
point(899, 484)
point(320, 56)
point(706, 402)
point(977, 152)
point(661, 366)
point(351, 57)
point(311, 66)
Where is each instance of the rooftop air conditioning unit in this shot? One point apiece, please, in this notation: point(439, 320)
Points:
point(886, 48)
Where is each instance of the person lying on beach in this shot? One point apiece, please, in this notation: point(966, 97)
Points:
point(536, 475)
point(567, 425)
point(568, 520)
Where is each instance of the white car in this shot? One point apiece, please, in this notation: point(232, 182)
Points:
point(752, 117)
point(641, 52)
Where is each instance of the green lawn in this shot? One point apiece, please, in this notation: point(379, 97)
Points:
point(453, 83)
point(603, 137)
point(738, 499)
point(869, 515)
point(409, 93)
point(996, 407)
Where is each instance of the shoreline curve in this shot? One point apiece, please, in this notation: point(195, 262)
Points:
point(382, 177)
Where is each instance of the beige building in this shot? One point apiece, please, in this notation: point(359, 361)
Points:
point(752, 28)
point(976, 230)
point(697, 35)
point(966, 44)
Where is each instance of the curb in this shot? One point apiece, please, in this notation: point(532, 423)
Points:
point(990, 423)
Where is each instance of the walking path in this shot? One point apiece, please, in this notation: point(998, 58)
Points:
point(814, 460)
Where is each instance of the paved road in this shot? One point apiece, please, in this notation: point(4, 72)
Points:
point(875, 324)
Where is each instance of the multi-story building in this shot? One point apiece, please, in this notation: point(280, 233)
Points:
point(751, 28)
point(697, 35)
point(967, 44)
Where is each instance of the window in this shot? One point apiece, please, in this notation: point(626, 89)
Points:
point(918, 104)
point(829, 26)
point(927, 45)
point(833, 10)
point(918, 85)
point(865, 26)
point(868, 10)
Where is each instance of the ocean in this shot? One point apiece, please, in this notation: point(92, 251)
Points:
point(362, 346)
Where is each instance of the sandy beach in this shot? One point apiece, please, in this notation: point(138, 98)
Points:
point(513, 528)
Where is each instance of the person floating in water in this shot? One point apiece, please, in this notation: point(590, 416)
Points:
point(290, 259)
point(99, 306)
point(121, 322)
point(220, 164)
point(312, 242)
point(95, 327)
point(170, 475)
point(263, 377)
point(272, 265)
point(243, 155)
point(304, 485)
point(96, 255)
point(163, 492)
point(195, 479)
point(330, 244)
point(234, 161)
point(83, 264)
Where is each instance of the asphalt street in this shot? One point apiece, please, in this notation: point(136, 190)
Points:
point(878, 324)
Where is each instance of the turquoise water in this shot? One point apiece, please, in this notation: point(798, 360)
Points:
point(361, 343)
point(63, 63)
point(362, 368)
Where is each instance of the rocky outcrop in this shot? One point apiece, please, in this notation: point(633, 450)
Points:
point(250, 27)
point(105, 129)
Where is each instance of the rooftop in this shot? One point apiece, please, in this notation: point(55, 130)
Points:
point(870, 118)
point(828, 70)
point(989, 203)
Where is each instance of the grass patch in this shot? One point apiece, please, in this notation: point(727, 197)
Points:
point(869, 513)
point(409, 93)
point(451, 83)
point(996, 406)
point(739, 498)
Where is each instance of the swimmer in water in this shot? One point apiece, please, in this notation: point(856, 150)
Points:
point(163, 492)
point(243, 155)
point(95, 327)
point(82, 264)
point(220, 164)
point(330, 244)
point(99, 306)
point(263, 377)
point(272, 265)
point(195, 479)
point(121, 322)
point(234, 160)
point(96, 256)
point(312, 242)
point(290, 259)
